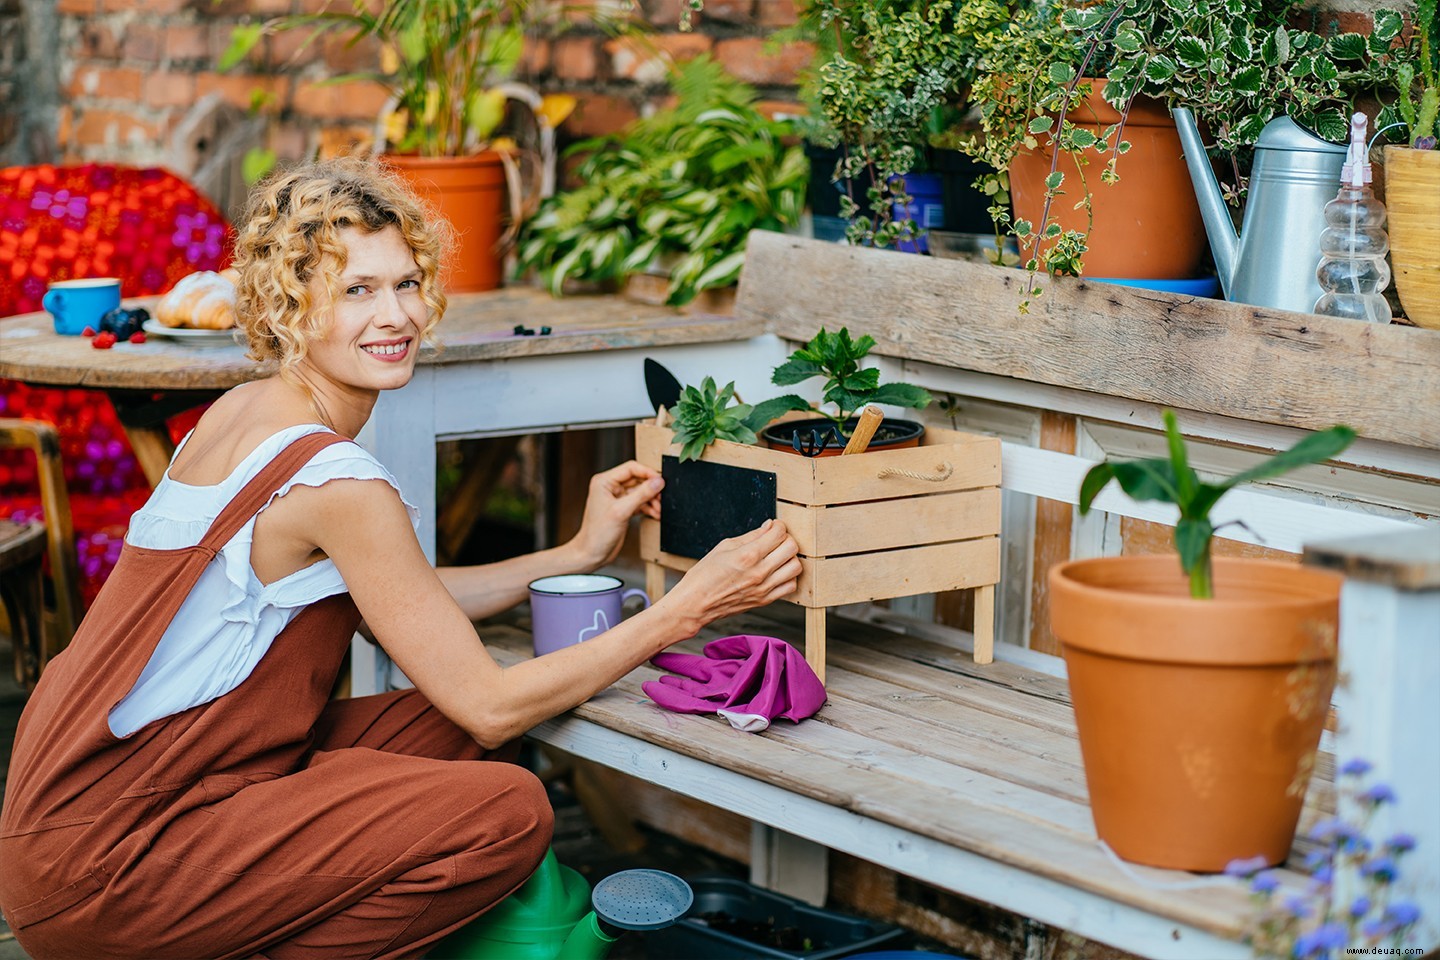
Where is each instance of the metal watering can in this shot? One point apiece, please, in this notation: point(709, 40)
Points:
point(555, 916)
point(1272, 262)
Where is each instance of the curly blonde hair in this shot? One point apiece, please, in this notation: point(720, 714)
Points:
point(292, 229)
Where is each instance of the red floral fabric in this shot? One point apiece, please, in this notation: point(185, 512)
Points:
point(146, 227)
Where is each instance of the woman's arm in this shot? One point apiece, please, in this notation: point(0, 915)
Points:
point(614, 497)
point(362, 526)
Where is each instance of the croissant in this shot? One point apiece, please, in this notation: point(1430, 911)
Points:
point(204, 301)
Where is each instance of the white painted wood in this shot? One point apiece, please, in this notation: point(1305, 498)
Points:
point(951, 868)
point(1389, 715)
point(788, 864)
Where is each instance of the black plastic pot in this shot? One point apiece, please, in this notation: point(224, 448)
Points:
point(735, 920)
point(819, 433)
point(966, 208)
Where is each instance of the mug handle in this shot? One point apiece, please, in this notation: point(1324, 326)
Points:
point(628, 594)
point(53, 301)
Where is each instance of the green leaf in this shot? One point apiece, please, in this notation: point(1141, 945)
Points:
point(1061, 73)
point(1054, 180)
point(1247, 80)
point(242, 40)
point(1041, 124)
point(1388, 24)
point(1332, 125)
point(256, 164)
point(1192, 540)
point(766, 411)
point(1129, 40)
point(1190, 51)
point(1317, 447)
point(902, 395)
point(1160, 69)
point(794, 371)
point(1347, 46)
point(1097, 478)
point(722, 272)
point(1185, 479)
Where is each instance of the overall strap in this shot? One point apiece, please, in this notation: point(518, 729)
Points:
point(257, 492)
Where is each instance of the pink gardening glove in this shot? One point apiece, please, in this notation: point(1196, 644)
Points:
point(749, 680)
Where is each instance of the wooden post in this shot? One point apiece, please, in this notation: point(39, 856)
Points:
point(654, 581)
point(1388, 711)
point(985, 624)
point(815, 640)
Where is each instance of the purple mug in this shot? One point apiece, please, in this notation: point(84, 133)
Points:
point(574, 607)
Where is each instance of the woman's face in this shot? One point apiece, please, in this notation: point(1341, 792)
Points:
point(373, 334)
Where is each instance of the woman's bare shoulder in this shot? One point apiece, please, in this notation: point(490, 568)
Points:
point(234, 426)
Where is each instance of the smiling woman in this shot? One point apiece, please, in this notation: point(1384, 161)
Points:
point(181, 784)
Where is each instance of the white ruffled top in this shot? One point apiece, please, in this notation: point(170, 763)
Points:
point(230, 618)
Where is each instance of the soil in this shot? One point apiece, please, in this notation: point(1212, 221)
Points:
point(779, 435)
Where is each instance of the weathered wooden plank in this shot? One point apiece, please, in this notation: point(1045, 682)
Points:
point(477, 326)
point(1211, 356)
point(1408, 561)
point(861, 577)
point(883, 524)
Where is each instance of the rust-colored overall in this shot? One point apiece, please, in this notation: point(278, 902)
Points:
point(266, 822)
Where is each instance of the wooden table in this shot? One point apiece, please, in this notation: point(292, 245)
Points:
point(483, 380)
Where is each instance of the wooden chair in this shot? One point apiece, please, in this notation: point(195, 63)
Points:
point(59, 539)
point(22, 546)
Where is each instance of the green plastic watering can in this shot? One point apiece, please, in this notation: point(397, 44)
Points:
point(555, 916)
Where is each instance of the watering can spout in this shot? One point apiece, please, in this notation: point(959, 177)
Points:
point(588, 941)
point(1224, 242)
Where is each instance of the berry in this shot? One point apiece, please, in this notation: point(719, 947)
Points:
point(103, 341)
point(88, 332)
point(137, 337)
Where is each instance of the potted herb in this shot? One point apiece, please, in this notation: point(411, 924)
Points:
point(1412, 170)
point(1200, 686)
point(679, 191)
point(1076, 98)
point(447, 65)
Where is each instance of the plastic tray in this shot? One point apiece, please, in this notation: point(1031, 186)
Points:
point(829, 934)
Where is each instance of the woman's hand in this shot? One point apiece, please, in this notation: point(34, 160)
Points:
point(615, 496)
point(739, 574)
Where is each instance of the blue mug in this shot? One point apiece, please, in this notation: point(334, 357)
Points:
point(77, 304)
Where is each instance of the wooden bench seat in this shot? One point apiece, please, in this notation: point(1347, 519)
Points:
point(967, 775)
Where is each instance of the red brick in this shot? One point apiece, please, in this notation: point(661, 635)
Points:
point(751, 60)
point(144, 6)
point(97, 42)
point(776, 13)
point(341, 57)
point(288, 141)
point(730, 11)
point(112, 128)
point(240, 89)
point(667, 13)
point(576, 58)
point(535, 58)
point(77, 8)
point(286, 49)
point(268, 7)
point(346, 141)
point(106, 83)
point(598, 113)
point(1333, 22)
point(645, 59)
point(362, 99)
point(143, 42)
point(169, 89)
point(187, 41)
point(65, 128)
point(787, 108)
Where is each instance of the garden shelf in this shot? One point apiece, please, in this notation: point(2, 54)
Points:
point(873, 526)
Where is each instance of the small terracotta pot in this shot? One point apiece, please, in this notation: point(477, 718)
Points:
point(1148, 225)
point(1198, 719)
point(1412, 199)
point(470, 193)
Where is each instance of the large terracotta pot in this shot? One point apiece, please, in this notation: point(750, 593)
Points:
point(1412, 198)
point(1198, 719)
point(1148, 225)
point(470, 193)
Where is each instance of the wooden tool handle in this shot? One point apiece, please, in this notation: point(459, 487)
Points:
point(864, 430)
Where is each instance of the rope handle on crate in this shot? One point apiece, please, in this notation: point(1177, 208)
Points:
point(941, 473)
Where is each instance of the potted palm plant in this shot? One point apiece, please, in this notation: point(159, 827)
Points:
point(1412, 169)
point(447, 65)
point(1200, 686)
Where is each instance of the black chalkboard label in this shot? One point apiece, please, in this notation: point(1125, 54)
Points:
point(703, 503)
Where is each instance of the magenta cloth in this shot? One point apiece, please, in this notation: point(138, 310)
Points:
point(749, 675)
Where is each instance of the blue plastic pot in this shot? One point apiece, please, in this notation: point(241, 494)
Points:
point(926, 208)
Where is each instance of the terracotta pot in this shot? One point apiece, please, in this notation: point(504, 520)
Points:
point(1148, 225)
point(1198, 719)
point(1412, 186)
point(470, 193)
point(891, 435)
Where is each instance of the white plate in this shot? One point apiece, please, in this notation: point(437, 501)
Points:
point(212, 338)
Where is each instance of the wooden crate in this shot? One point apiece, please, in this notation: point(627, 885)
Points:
point(873, 526)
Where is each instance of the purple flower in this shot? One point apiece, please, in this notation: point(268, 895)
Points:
point(1264, 883)
point(1426, 143)
point(198, 236)
point(1324, 876)
point(1356, 768)
point(1402, 913)
point(1378, 794)
point(1376, 928)
point(1320, 941)
point(1381, 869)
point(1297, 907)
point(1247, 867)
point(1359, 907)
point(1401, 843)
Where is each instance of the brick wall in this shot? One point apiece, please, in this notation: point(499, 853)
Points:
point(128, 70)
